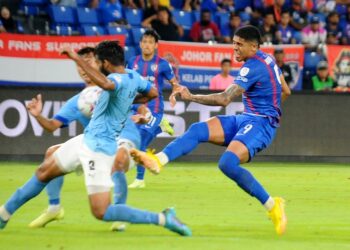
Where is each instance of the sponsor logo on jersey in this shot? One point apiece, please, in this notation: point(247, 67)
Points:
point(244, 71)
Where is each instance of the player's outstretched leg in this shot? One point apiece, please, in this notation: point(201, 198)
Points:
point(54, 211)
point(229, 165)
point(197, 133)
point(167, 218)
point(28, 191)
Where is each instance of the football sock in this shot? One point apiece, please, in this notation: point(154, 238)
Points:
point(125, 213)
point(53, 190)
point(146, 139)
point(269, 204)
point(229, 165)
point(29, 190)
point(197, 133)
point(163, 158)
point(120, 187)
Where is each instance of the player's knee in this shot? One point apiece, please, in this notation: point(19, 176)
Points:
point(121, 162)
point(199, 130)
point(98, 212)
point(43, 173)
point(229, 163)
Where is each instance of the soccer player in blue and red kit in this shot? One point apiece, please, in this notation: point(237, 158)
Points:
point(154, 69)
point(262, 86)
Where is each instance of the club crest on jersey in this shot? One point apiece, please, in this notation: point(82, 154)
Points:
point(244, 71)
point(154, 67)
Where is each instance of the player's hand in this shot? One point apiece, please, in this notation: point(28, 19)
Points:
point(35, 106)
point(176, 91)
point(68, 51)
point(139, 119)
point(185, 94)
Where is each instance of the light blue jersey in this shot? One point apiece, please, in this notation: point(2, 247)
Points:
point(112, 110)
point(69, 112)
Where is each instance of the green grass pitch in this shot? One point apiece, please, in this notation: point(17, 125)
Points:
point(220, 214)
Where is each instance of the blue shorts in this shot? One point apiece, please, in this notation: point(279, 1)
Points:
point(131, 133)
point(153, 126)
point(255, 132)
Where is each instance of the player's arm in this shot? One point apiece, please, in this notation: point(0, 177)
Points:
point(146, 97)
point(95, 75)
point(285, 89)
point(218, 99)
point(34, 107)
point(143, 116)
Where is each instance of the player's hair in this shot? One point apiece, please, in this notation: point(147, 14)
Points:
point(152, 33)
point(225, 60)
point(249, 33)
point(86, 50)
point(110, 51)
point(234, 14)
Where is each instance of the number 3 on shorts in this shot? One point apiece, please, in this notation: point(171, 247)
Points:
point(247, 128)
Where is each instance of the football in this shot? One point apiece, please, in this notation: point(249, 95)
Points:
point(88, 99)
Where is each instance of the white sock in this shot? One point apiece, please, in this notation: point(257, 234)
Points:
point(161, 219)
point(163, 158)
point(54, 208)
point(4, 214)
point(269, 204)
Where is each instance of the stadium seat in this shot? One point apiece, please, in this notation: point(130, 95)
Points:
point(36, 2)
point(116, 30)
point(130, 51)
point(177, 4)
point(245, 17)
point(87, 16)
point(29, 10)
point(92, 30)
point(82, 3)
point(136, 34)
point(196, 15)
point(297, 36)
point(134, 16)
point(241, 5)
point(183, 18)
point(222, 18)
point(62, 15)
point(62, 30)
point(311, 59)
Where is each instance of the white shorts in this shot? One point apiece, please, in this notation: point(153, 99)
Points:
point(97, 167)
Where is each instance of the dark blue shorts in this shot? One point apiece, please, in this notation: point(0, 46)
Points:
point(153, 126)
point(255, 132)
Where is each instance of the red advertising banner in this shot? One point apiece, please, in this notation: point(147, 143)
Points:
point(204, 59)
point(34, 46)
point(339, 64)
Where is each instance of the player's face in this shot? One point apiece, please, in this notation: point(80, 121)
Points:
point(90, 59)
point(148, 45)
point(243, 49)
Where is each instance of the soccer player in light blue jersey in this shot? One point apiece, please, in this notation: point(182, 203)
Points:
point(262, 85)
point(68, 113)
point(156, 70)
point(95, 149)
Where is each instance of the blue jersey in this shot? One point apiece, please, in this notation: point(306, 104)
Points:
point(112, 110)
point(260, 77)
point(69, 112)
point(156, 71)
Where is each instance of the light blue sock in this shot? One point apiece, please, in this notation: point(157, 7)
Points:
point(53, 190)
point(128, 214)
point(197, 133)
point(120, 188)
point(29, 190)
point(229, 165)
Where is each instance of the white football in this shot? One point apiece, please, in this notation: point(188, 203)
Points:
point(88, 99)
